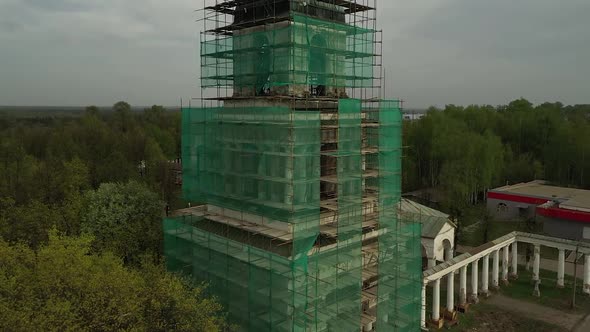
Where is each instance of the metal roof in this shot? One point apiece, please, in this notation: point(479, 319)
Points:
point(432, 220)
point(569, 198)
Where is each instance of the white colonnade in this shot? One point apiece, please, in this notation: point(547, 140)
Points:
point(505, 249)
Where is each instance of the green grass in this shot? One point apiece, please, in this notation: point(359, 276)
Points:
point(551, 296)
point(481, 314)
point(485, 317)
point(474, 236)
point(473, 214)
point(490, 318)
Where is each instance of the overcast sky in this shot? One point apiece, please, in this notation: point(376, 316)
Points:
point(83, 52)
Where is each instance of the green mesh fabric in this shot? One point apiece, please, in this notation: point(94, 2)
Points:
point(261, 160)
point(261, 167)
point(297, 290)
point(308, 52)
point(350, 217)
point(341, 265)
point(230, 150)
point(400, 255)
point(262, 291)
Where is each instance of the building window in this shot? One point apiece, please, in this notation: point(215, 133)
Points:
point(586, 234)
point(502, 207)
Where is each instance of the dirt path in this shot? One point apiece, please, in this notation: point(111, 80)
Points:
point(537, 312)
point(583, 326)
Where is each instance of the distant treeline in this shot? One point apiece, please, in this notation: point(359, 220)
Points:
point(48, 163)
point(463, 151)
point(111, 145)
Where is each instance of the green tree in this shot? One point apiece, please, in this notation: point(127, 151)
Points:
point(124, 219)
point(64, 287)
point(92, 111)
point(28, 223)
point(123, 115)
point(154, 114)
point(17, 171)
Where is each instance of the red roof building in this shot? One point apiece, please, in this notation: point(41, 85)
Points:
point(564, 212)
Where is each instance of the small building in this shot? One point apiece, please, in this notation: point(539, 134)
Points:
point(438, 231)
point(414, 114)
point(564, 212)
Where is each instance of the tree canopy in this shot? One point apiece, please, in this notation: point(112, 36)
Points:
point(49, 163)
point(125, 219)
point(81, 203)
point(63, 286)
point(463, 151)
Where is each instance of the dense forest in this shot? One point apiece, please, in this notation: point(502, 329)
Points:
point(81, 202)
point(463, 151)
point(82, 195)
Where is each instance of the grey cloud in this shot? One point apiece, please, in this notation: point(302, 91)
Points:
point(472, 51)
point(510, 26)
point(11, 26)
point(61, 5)
point(436, 51)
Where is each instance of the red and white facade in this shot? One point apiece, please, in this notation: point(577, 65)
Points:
point(564, 212)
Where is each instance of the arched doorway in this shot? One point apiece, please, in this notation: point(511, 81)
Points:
point(448, 250)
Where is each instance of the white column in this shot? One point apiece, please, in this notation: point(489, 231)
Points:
point(514, 260)
point(505, 258)
point(561, 268)
point(436, 301)
point(463, 286)
point(485, 274)
point(536, 262)
point(495, 269)
point(451, 292)
point(423, 311)
point(586, 288)
point(474, 280)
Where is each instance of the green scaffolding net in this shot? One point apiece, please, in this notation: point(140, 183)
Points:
point(342, 261)
point(300, 227)
point(260, 160)
point(262, 165)
point(281, 273)
point(264, 162)
point(288, 57)
point(400, 254)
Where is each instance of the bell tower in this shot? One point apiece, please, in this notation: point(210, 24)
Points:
point(294, 161)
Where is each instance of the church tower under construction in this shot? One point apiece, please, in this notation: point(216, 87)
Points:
point(295, 160)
